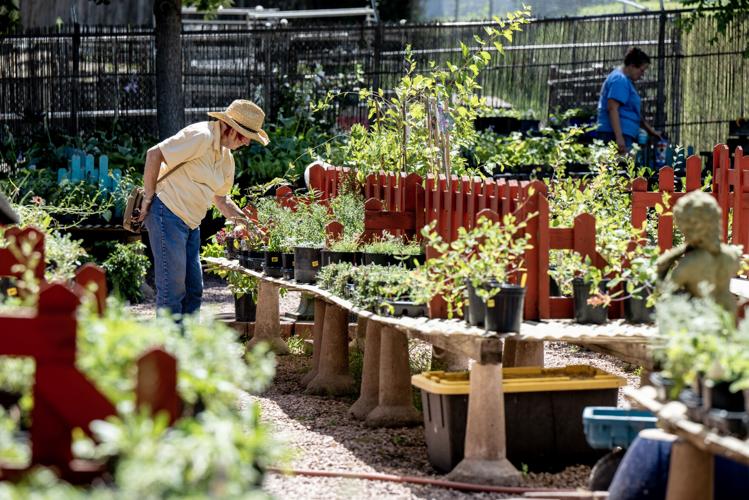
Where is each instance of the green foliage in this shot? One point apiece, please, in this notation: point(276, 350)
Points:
point(335, 277)
point(372, 285)
point(393, 245)
point(63, 255)
point(726, 15)
point(424, 122)
point(348, 209)
point(698, 337)
point(552, 150)
point(311, 219)
point(279, 224)
point(126, 269)
point(487, 251)
point(605, 195)
point(213, 447)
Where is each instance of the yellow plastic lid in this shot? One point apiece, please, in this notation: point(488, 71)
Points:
point(524, 379)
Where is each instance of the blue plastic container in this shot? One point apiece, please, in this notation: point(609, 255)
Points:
point(607, 427)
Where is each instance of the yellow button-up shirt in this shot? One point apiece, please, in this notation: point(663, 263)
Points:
point(208, 171)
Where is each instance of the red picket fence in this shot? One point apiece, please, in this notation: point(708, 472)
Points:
point(63, 397)
point(399, 204)
point(731, 188)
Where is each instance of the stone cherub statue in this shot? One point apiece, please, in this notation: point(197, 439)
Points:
point(702, 258)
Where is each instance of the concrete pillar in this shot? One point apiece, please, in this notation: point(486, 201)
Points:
point(316, 340)
point(395, 403)
point(268, 320)
point(485, 459)
point(448, 361)
point(361, 332)
point(370, 381)
point(333, 377)
point(523, 353)
point(690, 473)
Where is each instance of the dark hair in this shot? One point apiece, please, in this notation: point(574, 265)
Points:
point(636, 57)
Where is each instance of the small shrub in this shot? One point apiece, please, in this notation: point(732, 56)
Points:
point(126, 269)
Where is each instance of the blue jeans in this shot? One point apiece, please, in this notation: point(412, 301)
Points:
point(176, 257)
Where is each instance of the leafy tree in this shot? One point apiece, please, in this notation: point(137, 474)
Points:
point(725, 13)
point(10, 16)
point(170, 102)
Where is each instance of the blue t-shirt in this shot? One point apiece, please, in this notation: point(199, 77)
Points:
point(620, 88)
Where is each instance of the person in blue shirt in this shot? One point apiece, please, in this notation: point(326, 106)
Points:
point(619, 116)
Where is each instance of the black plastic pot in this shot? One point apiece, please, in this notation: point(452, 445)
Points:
point(9, 399)
point(332, 257)
point(476, 308)
point(727, 422)
point(229, 251)
point(411, 261)
point(272, 264)
point(403, 308)
point(244, 308)
point(307, 262)
point(380, 259)
point(663, 386)
point(717, 395)
point(636, 310)
point(503, 313)
point(256, 260)
point(287, 264)
point(584, 312)
point(244, 258)
point(693, 401)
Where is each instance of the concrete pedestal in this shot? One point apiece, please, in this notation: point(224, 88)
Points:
point(690, 473)
point(448, 361)
point(317, 329)
point(268, 320)
point(485, 459)
point(523, 353)
point(395, 404)
point(370, 382)
point(333, 377)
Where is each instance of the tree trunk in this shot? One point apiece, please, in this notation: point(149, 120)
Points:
point(170, 104)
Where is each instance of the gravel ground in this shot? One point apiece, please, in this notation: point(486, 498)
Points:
point(322, 437)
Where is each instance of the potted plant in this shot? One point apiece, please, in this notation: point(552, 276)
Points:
point(482, 261)
point(337, 278)
point(341, 250)
point(497, 272)
point(392, 250)
point(387, 290)
point(590, 294)
point(637, 274)
point(307, 238)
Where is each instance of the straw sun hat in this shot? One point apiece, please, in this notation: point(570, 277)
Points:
point(245, 117)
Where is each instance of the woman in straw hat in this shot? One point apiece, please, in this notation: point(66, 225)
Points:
point(184, 175)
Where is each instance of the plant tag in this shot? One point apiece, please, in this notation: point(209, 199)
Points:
point(274, 259)
point(490, 303)
point(314, 263)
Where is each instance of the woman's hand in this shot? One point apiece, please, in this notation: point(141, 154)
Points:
point(621, 146)
point(145, 204)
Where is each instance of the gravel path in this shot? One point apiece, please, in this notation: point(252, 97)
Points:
point(322, 437)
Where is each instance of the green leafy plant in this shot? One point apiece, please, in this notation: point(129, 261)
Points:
point(424, 122)
point(126, 269)
point(698, 337)
point(487, 251)
point(392, 245)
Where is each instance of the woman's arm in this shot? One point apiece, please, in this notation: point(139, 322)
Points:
point(231, 211)
point(650, 130)
point(612, 106)
point(154, 158)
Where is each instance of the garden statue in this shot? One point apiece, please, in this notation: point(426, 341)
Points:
point(702, 259)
